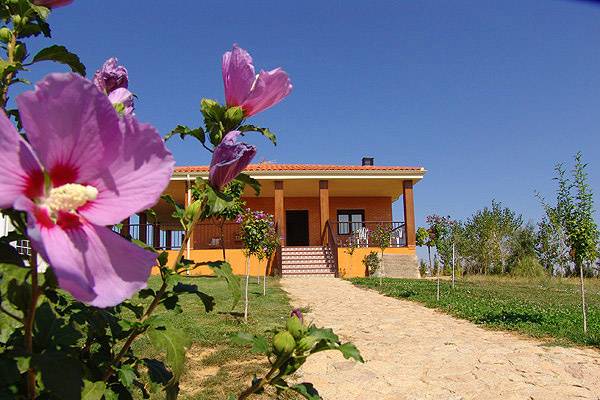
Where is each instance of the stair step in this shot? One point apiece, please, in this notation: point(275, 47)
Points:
point(307, 272)
point(307, 261)
point(308, 267)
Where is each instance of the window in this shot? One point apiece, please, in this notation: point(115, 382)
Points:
point(349, 221)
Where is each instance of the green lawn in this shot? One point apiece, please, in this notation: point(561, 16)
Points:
point(215, 367)
point(547, 308)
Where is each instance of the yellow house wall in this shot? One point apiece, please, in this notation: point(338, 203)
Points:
point(235, 257)
point(352, 267)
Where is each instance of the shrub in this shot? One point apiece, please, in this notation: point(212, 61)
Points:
point(528, 267)
point(371, 262)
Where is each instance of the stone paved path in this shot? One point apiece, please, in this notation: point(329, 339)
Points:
point(413, 352)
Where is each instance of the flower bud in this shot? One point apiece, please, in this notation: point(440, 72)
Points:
point(20, 52)
point(5, 34)
point(283, 343)
point(18, 20)
point(307, 343)
point(192, 210)
point(295, 327)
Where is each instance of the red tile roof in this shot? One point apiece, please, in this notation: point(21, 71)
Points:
point(304, 167)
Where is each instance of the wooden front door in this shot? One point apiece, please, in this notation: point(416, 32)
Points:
point(296, 225)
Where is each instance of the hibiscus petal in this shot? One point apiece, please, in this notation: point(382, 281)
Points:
point(72, 127)
point(122, 96)
point(21, 174)
point(229, 159)
point(238, 75)
point(270, 88)
point(135, 180)
point(94, 264)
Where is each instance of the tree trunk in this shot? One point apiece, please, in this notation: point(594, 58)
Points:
point(265, 278)
point(381, 270)
point(452, 265)
point(429, 253)
point(437, 296)
point(246, 291)
point(583, 309)
point(221, 226)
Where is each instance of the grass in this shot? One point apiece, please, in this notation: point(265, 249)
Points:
point(548, 308)
point(215, 367)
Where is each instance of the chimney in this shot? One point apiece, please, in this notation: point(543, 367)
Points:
point(368, 161)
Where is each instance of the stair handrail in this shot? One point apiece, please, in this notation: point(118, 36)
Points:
point(332, 243)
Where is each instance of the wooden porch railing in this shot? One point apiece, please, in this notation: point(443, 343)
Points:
point(329, 238)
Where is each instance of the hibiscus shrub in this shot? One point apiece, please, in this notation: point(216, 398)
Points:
point(76, 162)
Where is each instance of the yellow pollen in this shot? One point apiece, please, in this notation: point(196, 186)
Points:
point(69, 197)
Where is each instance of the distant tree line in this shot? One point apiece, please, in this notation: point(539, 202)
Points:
point(497, 240)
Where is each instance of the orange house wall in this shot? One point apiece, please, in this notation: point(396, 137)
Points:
point(349, 267)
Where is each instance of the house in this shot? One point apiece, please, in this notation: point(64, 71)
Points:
point(318, 210)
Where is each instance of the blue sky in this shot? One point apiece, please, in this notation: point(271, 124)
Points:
point(486, 95)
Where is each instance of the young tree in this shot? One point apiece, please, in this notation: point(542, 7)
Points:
point(381, 237)
point(423, 240)
point(254, 228)
point(581, 227)
point(573, 214)
point(270, 245)
point(351, 246)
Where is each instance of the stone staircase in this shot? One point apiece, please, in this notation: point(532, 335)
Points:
point(309, 260)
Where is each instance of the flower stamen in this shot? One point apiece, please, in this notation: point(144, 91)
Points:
point(69, 197)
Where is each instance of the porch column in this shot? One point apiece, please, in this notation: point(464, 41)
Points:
point(125, 228)
point(280, 210)
point(168, 237)
point(409, 213)
point(156, 235)
point(324, 205)
point(143, 227)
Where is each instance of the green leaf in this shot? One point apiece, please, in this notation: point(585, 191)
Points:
point(214, 115)
point(61, 374)
point(307, 390)
point(126, 375)
point(259, 343)
point(9, 255)
point(233, 117)
point(172, 303)
point(184, 131)
point(163, 258)
point(349, 350)
point(61, 55)
point(264, 131)
point(92, 390)
point(41, 11)
point(326, 334)
point(216, 201)
point(248, 180)
point(223, 270)
point(15, 284)
point(208, 301)
point(158, 373)
point(175, 343)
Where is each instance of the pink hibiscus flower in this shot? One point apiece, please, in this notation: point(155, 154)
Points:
point(253, 92)
point(83, 168)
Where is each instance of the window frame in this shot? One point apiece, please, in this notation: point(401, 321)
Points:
point(349, 213)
